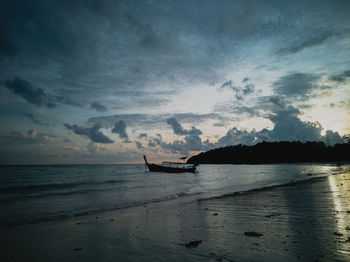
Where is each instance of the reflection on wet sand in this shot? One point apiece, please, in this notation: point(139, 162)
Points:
point(305, 221)
point(340, 189)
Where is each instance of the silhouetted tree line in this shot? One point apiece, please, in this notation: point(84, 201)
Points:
point(274, 152)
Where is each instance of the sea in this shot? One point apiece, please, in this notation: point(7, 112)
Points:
point(35, 194)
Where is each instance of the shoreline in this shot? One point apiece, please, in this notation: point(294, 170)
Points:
point(304, 221)
point(176, 198)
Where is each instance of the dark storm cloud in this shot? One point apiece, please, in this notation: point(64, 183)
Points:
point(342, 77)
point(125, 47)
point(139, 145)
point(190, 143)
point(179, 130)
point(120, 129)
point(307, 41)
point(295, 84)
point(277, 101)
point(34, 95)
point(143, 135)
point(98, 107)
point(243, 89)
point(288, 127)
point(93, 133)
point(37, 95)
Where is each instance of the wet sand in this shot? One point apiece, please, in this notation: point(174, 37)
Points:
point(307, 221)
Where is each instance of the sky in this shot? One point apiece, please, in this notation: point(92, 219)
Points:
point(106, 81)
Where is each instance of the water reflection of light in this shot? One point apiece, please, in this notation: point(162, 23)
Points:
point(337, 203)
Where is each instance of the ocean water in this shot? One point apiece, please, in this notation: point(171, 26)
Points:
point(33, 194)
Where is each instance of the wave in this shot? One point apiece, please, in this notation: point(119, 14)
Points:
point(49, 194)
point(54, 186)
point(266, 188)
point(90, 211)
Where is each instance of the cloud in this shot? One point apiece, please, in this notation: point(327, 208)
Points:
point(307, 41)
point(155, 141)
point(235, 136)
point(155, 120)
point(120, 129)
point(98, 107)
point(94, 148)
point(34, 95)
point(67, 140)
point(37, 95)
point(31, 136)
point(67, 101)
point(295, 84)
point(142, 135)
point(191, 142)
point(92, 133)
point(277, 101)
point(287, 127)
point(35, 120)
point(331, 138)
point(239, 110)
point(139, 145)
point(245, 88)
point(179, 130)
point(342, 77)
point(218, 124)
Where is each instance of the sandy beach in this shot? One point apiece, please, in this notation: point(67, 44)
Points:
point(304, 221)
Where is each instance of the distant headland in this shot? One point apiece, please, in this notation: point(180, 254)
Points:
point(274, 152)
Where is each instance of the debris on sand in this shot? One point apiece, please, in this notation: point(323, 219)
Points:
point(273, 215)
point(193, 243)
point(253, 234)
point(215, 214)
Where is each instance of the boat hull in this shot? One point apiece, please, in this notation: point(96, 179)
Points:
point(158, 168)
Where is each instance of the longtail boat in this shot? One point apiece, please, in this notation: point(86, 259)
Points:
point(170, 167)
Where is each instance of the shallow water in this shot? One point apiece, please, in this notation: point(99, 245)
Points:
point(30, 194)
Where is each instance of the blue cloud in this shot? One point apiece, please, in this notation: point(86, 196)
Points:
point(92, 133)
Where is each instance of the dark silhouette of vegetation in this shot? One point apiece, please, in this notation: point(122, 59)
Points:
point(274, 152)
